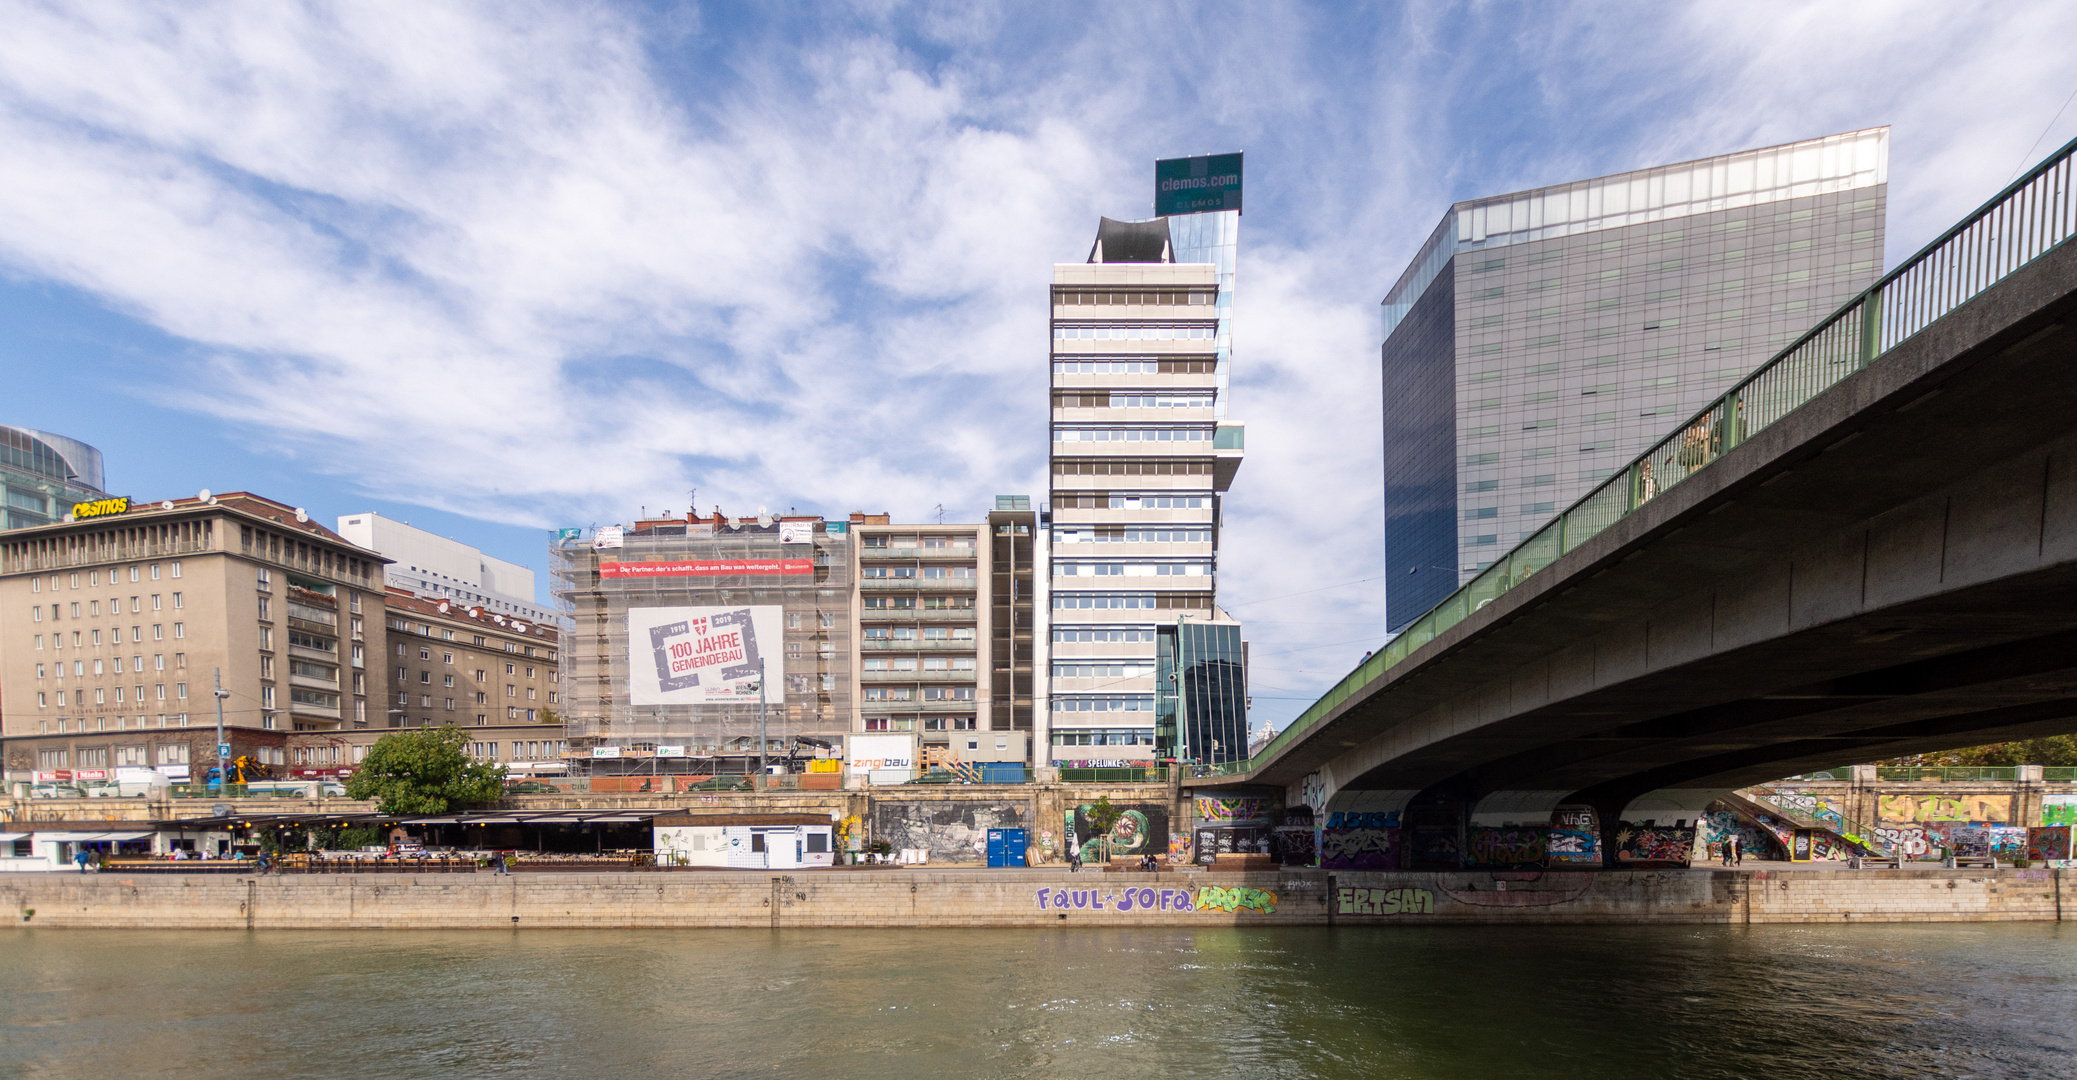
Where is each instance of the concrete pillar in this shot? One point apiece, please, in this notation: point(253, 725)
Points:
point(2026, 802)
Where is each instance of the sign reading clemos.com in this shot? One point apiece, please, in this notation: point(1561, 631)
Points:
point(701, 655)
point(1196, 185)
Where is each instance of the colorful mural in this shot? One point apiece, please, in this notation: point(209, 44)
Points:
point(1566, 846)
point(2048, 842)
point(1312, 791)
point(1719, 826)
point(1912, 841)
point(2059, 809)
point(1975, 809)
point(1232, 809)
point(1359, 849)
point(1141, 829)
point(1179, 847)
point(1489, 846)
point(1236, 899)
point(1815, 807)
point(1653, 845)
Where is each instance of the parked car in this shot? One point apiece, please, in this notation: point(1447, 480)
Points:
point(56, 791)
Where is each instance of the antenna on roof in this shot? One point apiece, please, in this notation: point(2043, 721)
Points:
point(941, 513)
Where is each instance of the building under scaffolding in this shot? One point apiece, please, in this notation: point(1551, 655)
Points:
point(689, 638)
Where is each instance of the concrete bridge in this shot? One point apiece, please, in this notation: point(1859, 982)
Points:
point(1867, 549)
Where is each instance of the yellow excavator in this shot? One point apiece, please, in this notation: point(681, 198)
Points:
point(244, 770)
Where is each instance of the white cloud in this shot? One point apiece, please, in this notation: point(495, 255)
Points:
point(543, 264)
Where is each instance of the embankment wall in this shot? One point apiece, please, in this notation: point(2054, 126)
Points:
point(926, 898)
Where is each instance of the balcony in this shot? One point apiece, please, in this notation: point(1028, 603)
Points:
point(932, 555)
point(910, 584)
point(967, 676)
point(896, 616)
point(879, 707)
point(924, 645)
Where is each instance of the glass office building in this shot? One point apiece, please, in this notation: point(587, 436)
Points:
point(1201, 691)
point(44, 475)
point(1541, 340)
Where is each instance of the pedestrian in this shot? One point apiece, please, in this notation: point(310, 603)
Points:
point(1737, 851)
point(497, 864)
point(82, 857)
point(1074, 861)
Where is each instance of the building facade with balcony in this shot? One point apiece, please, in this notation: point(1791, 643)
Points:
point(114, 629)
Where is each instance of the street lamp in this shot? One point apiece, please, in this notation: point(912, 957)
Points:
point(223, 776)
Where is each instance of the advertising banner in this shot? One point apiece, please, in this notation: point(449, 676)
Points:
point(872, 753)
point(48, 776)
point(1197, 185)
point(670, 751)
point(707, 568)
point(702, 655)
point(605, 751)
point(565, 537)
point(608, 536)
point(796, 532)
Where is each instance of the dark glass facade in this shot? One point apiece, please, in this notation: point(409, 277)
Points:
point(1420, 383)
point(1201, 702)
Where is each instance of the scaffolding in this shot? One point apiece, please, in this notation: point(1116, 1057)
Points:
point(600, 575)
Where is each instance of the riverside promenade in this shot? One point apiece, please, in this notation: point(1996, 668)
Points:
point(1031, 898)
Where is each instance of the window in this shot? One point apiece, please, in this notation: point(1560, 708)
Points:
point(265, 579)
point(266, 610)
point(173, 753)
point(176, 573)
point(158, 631)
point(180, 630)
point(511, 690)
point(508, 669)
point(134, 757)
point(176, 602)
point(425, 677)
point(424, 653)
point(479, 674)
point(50, 759)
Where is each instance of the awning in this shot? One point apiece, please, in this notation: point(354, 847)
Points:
point(6, 836)
point(123, 836)
point(68, 837)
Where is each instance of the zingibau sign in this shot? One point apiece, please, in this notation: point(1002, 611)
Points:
point(100, 508)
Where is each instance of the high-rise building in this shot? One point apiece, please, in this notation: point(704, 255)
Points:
point(1143, 661)
point(437, 568)
point(1541, 340)
point(44, 476)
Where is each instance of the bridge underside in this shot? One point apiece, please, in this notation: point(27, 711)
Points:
point(1888, 570)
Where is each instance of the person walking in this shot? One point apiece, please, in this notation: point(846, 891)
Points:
point(497, 865)
point(1737, 851)
point(82, 856)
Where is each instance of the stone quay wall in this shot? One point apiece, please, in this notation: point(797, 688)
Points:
point(1036, 897)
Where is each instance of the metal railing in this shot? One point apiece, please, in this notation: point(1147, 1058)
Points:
point(1844, 772)
point(2060, 774)
point(1948, 773)
point(2034, 214)
point(1153, 774)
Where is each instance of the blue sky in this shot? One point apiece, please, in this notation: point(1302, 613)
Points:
point(498, 268)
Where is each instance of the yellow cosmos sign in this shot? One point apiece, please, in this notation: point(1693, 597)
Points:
point(100, 508)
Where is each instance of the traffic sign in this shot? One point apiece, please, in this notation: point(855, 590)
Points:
point(223, 749)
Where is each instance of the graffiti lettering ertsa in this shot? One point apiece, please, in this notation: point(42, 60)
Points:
point(1384, 902)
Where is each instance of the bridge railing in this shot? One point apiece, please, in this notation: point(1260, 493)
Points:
point(2022, 223)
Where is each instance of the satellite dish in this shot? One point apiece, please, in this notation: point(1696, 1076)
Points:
point(764, 518)
point(735, 523)
point(302, 516)
point(204, 496)
point(167, 505)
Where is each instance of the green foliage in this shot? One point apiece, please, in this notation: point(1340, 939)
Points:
point(424, 772)
point(1103, 815)
point(550, 716)
point(2053, 750)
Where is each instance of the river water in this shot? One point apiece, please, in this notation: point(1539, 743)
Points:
point(1604, 1002)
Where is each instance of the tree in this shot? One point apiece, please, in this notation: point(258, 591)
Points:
point(550, 716)
point(2052, 750)
point(424, 772)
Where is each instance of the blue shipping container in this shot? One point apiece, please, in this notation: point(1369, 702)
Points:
point(1006, 847)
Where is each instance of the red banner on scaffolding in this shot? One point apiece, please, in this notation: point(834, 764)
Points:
point(707, 568)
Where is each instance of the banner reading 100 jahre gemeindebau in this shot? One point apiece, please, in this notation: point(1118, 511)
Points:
point(702, 655)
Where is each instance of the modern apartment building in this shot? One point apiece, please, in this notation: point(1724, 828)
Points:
point(1144, 664)
point(945, 632)
point(704, 644)
point(43, 476)
point(1541, 340)
point(437, 568)
point(113, 630)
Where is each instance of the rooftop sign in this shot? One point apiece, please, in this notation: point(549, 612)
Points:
point(100, 508)
point(1196, 185)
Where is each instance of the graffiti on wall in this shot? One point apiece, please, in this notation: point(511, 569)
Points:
point(1653, 845)
point(1179, 847)
point(1359, 849)
point(1233, 809)
point(1205, 898)
point(1719, 826)
point(1489, 846)
point(1312, 791)
point(1363, 819)
point(1565, 846)
point(2048, 842)
point(1974, 809)
point(1815, 807)
point(1141, 829)
point(1237, 840)
point(1384, 902)
point(2059, 809)
point(1297, 844)
point(952, 832)
point(1908, 840)
point(1432, 845)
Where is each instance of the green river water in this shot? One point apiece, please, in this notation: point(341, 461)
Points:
point(1982, 1000)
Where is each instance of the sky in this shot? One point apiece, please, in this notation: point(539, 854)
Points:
point(499, 268)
